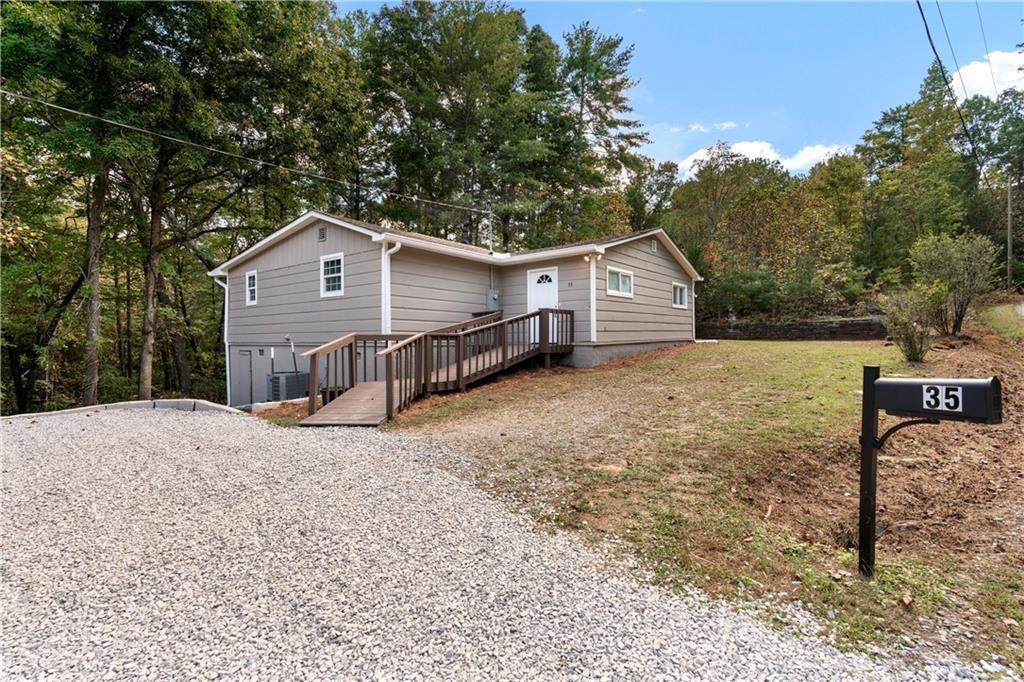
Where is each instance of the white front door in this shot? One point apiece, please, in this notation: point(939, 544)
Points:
point(541, 292)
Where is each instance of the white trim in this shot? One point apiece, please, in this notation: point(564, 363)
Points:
point(296, 225)
point(227, 349)
point(593, 300)
point(480, 256)
point(686, 298)
point(667, 242)
point(385, 285)
point(621, 294)
point(254, 288)
point(332, 256)
point(385, 279)
point(530, 274)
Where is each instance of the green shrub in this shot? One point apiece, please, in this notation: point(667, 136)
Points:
point(963, 265)
point(744, 292)
point(907, 319)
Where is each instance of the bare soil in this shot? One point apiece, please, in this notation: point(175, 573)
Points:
point(734, 466)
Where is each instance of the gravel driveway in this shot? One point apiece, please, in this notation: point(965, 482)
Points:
point(168, 544)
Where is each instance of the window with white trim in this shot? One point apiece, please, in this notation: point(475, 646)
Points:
point(332, 275)
point(680, 295)
point(620, 282)
point(250, 287)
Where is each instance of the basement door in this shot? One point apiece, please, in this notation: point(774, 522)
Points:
point(541, 292)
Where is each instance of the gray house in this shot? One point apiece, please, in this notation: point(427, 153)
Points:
point(321, 277)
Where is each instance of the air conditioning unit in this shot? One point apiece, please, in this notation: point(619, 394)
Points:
point(287, 385)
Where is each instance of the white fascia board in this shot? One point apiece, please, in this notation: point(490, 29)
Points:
point(567, 252)
point(292, 227)
point(667, 242)
point(435, 247)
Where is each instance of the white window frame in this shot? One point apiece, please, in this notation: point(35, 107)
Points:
point(621, 294)
point(254, 289)
point(323, 259)
point(686, 296)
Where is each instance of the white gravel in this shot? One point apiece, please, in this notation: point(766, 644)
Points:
point(166, 544)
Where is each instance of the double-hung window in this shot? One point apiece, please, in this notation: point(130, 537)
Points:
point(680, 295)
point(250, 287)
point(620, 282)
point(332, 275)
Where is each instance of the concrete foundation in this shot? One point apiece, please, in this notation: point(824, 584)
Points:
point(591, 355)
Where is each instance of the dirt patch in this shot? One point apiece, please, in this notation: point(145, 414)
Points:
point(734, 466)
point(286, 414)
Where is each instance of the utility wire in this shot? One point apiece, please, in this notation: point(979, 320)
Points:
point(222, 152)
point(988, 58)
point(956, 105)
point(949, 42)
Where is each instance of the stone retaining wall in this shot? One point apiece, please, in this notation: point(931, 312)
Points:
point(848, 329)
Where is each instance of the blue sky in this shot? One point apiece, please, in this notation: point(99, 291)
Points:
point(788, 81)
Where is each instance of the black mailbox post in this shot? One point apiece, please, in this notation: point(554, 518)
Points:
point(927, 401)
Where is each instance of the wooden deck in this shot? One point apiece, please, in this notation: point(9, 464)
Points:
point(362, 405)
point(440, 360)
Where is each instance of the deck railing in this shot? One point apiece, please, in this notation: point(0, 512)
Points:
point(451, 358)
point(442, 359)
point(337, 366)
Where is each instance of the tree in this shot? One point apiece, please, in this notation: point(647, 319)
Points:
point(963, 265)
point(596, 72)
point(649, 192)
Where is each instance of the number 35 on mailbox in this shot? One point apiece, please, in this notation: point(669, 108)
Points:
point(927, 401)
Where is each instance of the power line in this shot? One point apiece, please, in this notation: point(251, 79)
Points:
point(949, 89)
point(270, 164)
point(988, 58)
point(949, 42)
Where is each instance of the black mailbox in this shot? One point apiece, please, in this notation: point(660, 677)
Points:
point(968, 400)
point(928, 401)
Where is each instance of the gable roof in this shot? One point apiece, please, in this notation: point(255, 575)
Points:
point(424, 242)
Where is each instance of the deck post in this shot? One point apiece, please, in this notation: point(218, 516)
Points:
point(460, 355)
point(504, 344)
point(313, 383)
point(389, 385)
point(425, 362)
point(352, 362)
point(545, 335)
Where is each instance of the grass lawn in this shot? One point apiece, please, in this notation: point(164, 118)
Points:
point(733, 466)
point(1006, 320)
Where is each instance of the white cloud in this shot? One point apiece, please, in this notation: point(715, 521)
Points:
point(701, 128)
point(978, 80)
point(676, 129)
point(804, 159)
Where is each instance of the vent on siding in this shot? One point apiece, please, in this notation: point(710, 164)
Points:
point(654, 246)
point(321, 234)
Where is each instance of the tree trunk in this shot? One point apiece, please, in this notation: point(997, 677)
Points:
point(151, 269)
point(94, 241)
point(128, 342)
point(178, 350)
point(152, 265)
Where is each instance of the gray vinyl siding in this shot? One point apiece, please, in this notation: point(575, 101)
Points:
point(261, 365)
point(288, 301)
point(432, 290)
point(649, 315)
point(573, 290)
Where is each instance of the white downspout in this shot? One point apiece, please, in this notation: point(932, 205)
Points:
point(227, 350)
point(593, 298)
point(385, 285)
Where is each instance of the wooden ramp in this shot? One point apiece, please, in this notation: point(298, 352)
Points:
point(445, 359)
point(362, 405)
